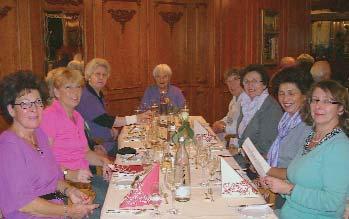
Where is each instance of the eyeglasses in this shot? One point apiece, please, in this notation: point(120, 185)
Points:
point(253, 82)
point(325, 101)
point(28, 105)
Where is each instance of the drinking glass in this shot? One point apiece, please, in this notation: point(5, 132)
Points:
point(171, 185)
point(212, 167)
point(155, 197)
point(203, 157)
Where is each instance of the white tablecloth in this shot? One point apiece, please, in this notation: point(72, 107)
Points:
point(197, 207)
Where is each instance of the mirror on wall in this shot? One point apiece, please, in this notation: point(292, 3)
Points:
point(63, 35)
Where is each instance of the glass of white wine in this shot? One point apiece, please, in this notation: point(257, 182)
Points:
point(170, 184)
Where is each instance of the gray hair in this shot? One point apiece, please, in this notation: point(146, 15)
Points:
point(94, 64)
point(162, 68)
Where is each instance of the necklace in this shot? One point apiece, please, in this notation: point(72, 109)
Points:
point(34, 143)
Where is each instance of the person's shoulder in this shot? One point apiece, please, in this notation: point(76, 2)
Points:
point(270, 104)
point(8, 141)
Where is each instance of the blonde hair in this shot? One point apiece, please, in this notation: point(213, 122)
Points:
point(162, 68)
point(58, 77)
point(94, 64)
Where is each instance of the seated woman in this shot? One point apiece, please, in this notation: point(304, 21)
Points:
point(291, 85)
point(227, 125)
point(260, 113)
point(92, 106)
point(162, 75)
point(65, 128)
point(31, 181)
point(317, 184)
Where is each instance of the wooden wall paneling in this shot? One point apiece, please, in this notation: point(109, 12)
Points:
point(124, 46)
point(89, 30)
point(37, 37)
point(9, 56)
point(298, 27)
point(168, 38)
point(24, 32)
point(122, 22)
point(201, 73)
point(201, 102)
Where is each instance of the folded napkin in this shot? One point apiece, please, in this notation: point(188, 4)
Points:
point(140, 195)
point(199, 129)
point(234, 185)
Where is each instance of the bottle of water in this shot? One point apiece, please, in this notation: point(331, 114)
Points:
point(182, 173)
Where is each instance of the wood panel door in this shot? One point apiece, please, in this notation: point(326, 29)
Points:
point(169, 39)
point(124, 46)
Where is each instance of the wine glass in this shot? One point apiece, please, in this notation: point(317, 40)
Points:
point(212, 167)
point(203, 157)
point(155, 197)
point(171, 185)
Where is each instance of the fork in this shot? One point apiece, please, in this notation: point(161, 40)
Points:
point(210, 191)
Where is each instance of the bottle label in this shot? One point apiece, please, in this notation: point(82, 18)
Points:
point(183, 192)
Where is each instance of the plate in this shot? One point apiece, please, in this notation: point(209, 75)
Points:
point(255, 211)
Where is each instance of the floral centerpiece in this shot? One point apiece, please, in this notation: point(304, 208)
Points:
point(184, 130)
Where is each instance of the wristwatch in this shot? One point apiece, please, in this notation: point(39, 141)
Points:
point(65, 173)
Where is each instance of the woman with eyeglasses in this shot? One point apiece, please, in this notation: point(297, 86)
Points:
point(65, 128)
point(31, 182)
point(260, 113)
point(317, 181)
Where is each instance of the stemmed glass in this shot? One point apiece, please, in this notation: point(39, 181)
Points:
point(170, 184)
point(203, 158)
point(212, 167)
point(155, 197)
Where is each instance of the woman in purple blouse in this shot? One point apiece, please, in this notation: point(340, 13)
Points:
point(31, 182)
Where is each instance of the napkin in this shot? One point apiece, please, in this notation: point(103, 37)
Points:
point(234, 185)
point(199, 129)
point(140, 195)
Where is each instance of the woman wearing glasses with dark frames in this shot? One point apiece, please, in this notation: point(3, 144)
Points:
point(260, 113)
point(31, 183)
point(318, 182)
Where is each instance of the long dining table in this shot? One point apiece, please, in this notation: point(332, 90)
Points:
point(197, 207)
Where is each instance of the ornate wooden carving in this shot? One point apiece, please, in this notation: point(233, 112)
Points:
point(4, 11)
point(171, 18)
point(122, 16)
point(65, 2)
point(137, 1)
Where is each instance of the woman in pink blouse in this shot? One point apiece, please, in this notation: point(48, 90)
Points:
point(65, 129)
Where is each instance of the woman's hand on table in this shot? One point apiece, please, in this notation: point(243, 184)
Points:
point(144, 117)
point(107, 172)
point(114, 132)
point(78, 197)
point(218, 126)
point(80, 210)
point(277, 185)
point(99, 149)
point(81, 175)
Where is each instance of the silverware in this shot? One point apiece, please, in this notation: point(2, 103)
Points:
point(165, 197)
point(210, 191)
point(134, 181)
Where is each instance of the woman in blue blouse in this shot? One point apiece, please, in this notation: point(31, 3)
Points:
point(318, 182)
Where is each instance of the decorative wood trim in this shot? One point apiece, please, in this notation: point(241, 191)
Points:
point(137, 1)
point(157, 3)
point(65, 2)
point(122, 16)
point(4, 11)
point(197, 5)
point(171, 18)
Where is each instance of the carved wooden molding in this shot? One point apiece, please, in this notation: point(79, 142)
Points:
point(137, 1)
point(122, 16)
point(4, 11)
point(171, 18)
point(157, 3)
point(65, 2)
